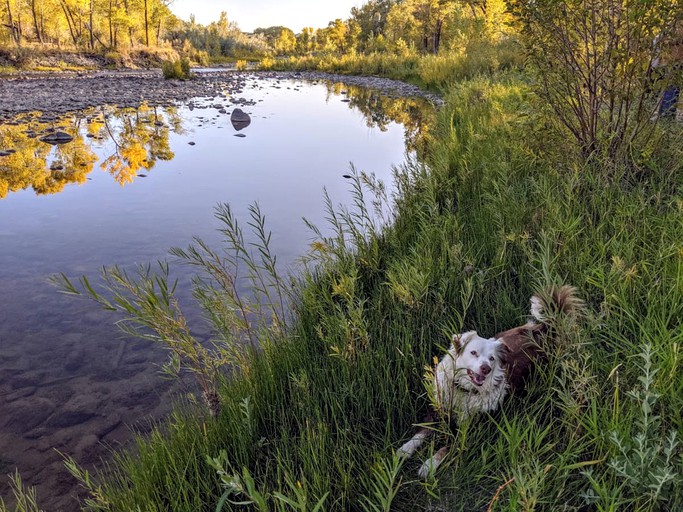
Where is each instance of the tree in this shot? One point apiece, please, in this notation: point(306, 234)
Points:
point(422, 24)
point(36, 21)
point(13, 26)
point(285, 43)
point(305, 41)
point(592, 59)
point(371, 18)
point(337, 31)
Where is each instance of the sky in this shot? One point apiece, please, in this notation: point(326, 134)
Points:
point(251, 14)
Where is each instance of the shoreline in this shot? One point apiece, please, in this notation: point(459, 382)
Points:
point(44, 91)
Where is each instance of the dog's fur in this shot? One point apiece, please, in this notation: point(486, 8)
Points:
point(477, 373)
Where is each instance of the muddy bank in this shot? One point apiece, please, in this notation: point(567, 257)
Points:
point(55, 94)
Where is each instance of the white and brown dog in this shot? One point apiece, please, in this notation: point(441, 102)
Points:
point(477, 373)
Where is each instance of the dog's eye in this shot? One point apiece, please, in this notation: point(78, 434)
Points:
point(474, 353)
point(492, 358)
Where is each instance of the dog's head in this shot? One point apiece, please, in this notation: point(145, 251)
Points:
point(480, 360)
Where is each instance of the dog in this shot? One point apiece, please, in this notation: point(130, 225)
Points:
point(476, 374)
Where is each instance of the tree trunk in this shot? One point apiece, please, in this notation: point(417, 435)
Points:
point(91, 28)
point(36, 26)
point(20, 31)
point(10, 24)
point(111, 30)
point(69, 21)
point(130, 29)
point(146, 26)
point(437, 36)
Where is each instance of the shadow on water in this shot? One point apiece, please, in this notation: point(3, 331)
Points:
point(128, 185)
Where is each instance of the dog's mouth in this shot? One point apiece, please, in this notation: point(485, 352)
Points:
point(476, 378)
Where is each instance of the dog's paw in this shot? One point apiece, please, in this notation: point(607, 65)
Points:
point(408, 448)
point(431, 464)
point(428, 467)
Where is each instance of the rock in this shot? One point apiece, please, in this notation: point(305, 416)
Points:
point(86, 449)
point(20, 393)
point(28, 379)
point(240, 135)
point(79, 409)
point(64, 419)
point(57, 138)
point(107, 424)
point(75, 360)
point(191, 143)
point(239, 119)
point(26, 414)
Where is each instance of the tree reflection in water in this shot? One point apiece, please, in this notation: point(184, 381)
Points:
point(140, 138)
point(416, 115)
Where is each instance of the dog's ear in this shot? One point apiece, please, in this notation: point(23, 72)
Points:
point(503, 351)
point(460, 340)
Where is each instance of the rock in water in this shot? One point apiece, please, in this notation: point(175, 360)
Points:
point(57, 138)
point(239, 119)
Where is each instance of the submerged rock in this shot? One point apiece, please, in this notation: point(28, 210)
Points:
point(57, 138)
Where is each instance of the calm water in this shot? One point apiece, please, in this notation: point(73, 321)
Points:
point(130, 186)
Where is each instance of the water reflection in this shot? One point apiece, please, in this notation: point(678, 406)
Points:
point(140, 137)
point(45, 168)
point(67, 380)
point(415, 114)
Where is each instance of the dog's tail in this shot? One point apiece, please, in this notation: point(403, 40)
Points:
point(556, 301)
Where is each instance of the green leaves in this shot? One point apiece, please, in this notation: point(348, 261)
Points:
point(647, 462)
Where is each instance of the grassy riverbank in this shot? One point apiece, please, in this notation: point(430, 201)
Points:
point(38, 58)
point(434, 72)
point(496, 209)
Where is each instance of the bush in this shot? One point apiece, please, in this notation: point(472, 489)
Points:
point(176, 69)
point(594, 61)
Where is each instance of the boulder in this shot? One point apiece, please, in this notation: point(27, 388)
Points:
point(239, 119)
point(57, 138)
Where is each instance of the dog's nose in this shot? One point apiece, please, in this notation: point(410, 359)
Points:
point(485, 369)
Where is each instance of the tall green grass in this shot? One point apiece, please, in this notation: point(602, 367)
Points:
point(487, 218)
point(435, 72)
